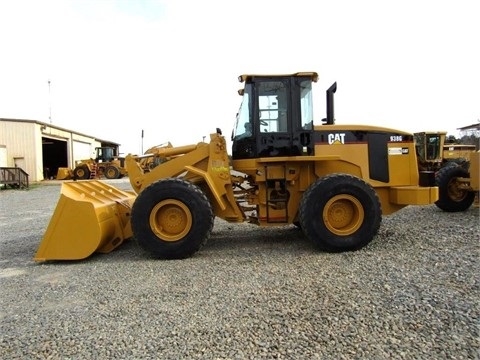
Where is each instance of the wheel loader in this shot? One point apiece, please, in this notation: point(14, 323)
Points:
point(459, 185)
point(433, 153)
point(106, 163)
point(455, 168)
point(153, 156)
point(332, 181)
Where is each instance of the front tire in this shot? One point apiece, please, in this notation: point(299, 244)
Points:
point(172, 219)
point(340, 212)
point(81, 172)
point(451, 197)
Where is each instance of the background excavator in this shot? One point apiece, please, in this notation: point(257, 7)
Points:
point(333, 181)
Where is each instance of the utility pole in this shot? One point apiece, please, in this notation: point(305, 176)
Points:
point(49, 103)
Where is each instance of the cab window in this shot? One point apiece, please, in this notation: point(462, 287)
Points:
point(272, 106)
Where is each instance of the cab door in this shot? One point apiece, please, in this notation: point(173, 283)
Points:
point(285, 119)
point(273, 111)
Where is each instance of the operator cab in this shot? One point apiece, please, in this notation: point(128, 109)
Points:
point(104, 154)
point(275, 117)
point(429, 146)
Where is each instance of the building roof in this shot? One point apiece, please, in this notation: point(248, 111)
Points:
point(59, 128)
point(470, 127)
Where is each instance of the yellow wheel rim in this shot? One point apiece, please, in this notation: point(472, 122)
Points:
point(111, 173)
point(343, 215)
point(170, 220)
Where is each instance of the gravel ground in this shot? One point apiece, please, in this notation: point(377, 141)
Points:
point(250, 293)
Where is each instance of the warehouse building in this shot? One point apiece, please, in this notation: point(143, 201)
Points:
point(39, 148)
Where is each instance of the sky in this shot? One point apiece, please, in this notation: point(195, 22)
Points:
point(112, 68)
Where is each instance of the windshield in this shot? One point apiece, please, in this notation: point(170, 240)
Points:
point(428, 146)
point(243, 123)
point(306, 104)
point(433, 147)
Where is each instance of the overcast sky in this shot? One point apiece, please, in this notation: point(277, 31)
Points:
point(170, 67)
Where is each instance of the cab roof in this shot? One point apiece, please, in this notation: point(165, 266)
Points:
point(311, 75)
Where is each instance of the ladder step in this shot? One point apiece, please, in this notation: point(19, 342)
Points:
point(93, 173)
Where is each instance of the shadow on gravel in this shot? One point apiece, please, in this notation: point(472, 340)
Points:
point(231, 240)
point(244, 241)
point(257, 238)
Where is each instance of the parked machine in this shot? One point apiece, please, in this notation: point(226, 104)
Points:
point(106, 163)
point(153, 157)
point(458, 153)
point(333, 181)
point(459, 185)
point(456, 169)
point(433, 153)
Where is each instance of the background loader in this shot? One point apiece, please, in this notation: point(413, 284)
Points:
point(106, 163)
point(153, 157)
point(334, 182)
point(433, 152)
point(456, 169)
point(459, 185)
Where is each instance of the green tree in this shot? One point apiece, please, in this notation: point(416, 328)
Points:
point(451, 139)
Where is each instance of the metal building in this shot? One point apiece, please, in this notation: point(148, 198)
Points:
point(40, 148)
point(469, 130)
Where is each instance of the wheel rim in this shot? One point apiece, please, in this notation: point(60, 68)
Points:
point(111, 173)
point(170, 220)
point(80, 173)
point(454, 192)
point(343, 214)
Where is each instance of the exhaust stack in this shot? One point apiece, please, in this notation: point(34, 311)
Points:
point(330, 119)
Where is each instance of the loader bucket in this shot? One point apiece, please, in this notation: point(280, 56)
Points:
point(64, 174)
point(90, 216)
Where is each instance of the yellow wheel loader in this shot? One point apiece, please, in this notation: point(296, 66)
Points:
point(433, 153)
point(153, 156)
point(457, 182)
point(333, 181)
point(106, 163)
point(458, 186)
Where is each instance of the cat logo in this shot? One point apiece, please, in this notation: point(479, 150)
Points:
point(336, 139)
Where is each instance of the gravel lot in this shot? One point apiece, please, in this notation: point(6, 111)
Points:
point(250, 293)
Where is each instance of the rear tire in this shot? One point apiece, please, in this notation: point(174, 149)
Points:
point(340, 212)
point(451, 198)
point(172, 219)
point(81, 172)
